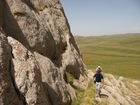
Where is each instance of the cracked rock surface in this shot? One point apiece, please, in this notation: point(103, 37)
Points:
point(37, 50)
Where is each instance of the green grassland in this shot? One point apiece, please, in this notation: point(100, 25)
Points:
point(116, 54)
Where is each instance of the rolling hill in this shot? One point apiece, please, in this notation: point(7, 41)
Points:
point(116, 54)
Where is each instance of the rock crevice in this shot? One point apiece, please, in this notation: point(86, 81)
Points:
point(20, 97)
point(42, 51)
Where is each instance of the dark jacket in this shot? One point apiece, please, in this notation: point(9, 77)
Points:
point(98, 77)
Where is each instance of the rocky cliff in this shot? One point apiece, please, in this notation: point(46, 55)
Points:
point(39, 58)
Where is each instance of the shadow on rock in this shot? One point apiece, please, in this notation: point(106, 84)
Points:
point(53, 96)
point(11, 27)
point(104, 96)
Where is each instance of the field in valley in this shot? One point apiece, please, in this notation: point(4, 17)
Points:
point(116, 54)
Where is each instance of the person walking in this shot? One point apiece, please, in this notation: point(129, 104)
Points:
point(98, 80)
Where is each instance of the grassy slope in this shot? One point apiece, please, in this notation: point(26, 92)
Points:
point(85, 97)
point(116, 54)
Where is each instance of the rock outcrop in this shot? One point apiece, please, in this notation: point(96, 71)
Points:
point(37, 51)
point(118, 91)
point(121, 91)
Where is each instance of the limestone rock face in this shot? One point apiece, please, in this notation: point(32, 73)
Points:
point(8, 92)
point(53, 81)
point(37, 51)
point(27, 75)
point(27, 26)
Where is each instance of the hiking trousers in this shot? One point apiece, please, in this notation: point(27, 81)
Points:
point(98, 88)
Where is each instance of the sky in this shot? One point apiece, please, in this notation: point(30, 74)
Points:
point(102, 17)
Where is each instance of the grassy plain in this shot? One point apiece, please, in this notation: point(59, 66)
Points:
point(116, 54)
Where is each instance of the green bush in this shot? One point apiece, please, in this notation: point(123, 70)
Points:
point(41, 7)
point(69, 78)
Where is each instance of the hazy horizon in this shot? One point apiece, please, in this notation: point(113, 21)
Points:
point(97, 18)
point(109, 34)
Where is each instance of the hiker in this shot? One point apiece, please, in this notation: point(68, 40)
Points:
point(99, 80)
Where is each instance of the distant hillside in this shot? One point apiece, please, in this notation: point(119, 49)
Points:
point(117, 54)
